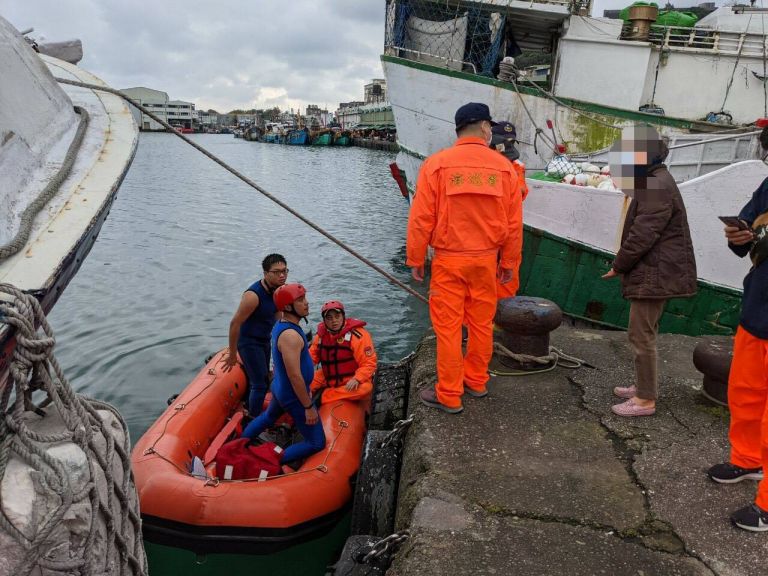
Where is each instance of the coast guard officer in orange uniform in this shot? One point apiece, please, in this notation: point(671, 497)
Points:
point(468, 208)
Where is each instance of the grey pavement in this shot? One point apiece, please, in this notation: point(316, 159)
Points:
point(541, 478)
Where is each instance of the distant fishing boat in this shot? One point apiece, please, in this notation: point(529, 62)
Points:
point(322, 138)
point(50, 131)
point(298, 137)
point(342, 138)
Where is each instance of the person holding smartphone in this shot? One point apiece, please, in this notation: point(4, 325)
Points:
point(748, 379)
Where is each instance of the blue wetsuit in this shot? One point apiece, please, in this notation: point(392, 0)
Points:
point(284, 400)
point(254, 348)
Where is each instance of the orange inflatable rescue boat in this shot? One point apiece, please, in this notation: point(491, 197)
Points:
point(209, 515)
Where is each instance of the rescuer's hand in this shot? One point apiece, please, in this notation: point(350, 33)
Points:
point(310, 415)
point(229, 361)
point(417, 272)
point(352, 385)
point(506, 275)
point(610, 274)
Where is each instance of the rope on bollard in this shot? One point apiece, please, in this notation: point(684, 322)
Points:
point(549, 362)
point(114, 534)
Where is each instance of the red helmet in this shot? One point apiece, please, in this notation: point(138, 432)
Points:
point(287, 294)
point(331, 305)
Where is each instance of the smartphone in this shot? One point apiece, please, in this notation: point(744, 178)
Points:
point(734, 222)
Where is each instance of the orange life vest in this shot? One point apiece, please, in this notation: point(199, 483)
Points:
point(335, 350)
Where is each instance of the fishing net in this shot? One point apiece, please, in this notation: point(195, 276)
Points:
point(68, 504)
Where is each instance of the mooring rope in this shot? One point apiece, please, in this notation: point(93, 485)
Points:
point(548, 362)
point(28, 216)
point(114, 533)
point(249, 182)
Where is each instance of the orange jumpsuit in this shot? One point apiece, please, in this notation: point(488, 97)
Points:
point(510, 288)
point(747, 401)
point(364, 361)
point(468, 208)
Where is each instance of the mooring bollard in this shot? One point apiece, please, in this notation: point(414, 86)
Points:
point(713, 359)
point(525, 323)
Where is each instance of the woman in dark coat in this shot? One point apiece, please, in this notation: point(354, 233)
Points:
point(655, 261)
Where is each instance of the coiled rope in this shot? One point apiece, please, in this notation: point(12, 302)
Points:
point(549, 362)
point(249, 182)
point(113, 542)
point(28, 216)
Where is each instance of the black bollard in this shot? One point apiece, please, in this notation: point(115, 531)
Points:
point(713, 359)
point(525, 323)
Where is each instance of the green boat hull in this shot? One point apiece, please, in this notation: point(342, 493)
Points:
point(322, 140)
point(307, 559)
point(343, 141)
point(568, 273)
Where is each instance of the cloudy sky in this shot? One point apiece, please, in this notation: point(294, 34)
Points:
point(227, 54)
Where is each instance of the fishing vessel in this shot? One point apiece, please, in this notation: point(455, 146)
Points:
point(601, 76)
point(63, 153)
point(322, 138)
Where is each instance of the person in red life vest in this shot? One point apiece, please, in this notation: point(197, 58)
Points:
point(503, 139)
point(347, 358)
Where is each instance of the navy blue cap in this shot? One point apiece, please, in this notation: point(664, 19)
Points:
point(471, 113)
point(505, 129)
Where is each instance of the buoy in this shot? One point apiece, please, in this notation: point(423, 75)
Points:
point(713, 359)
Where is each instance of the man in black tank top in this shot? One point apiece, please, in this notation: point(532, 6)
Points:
point(251, 328)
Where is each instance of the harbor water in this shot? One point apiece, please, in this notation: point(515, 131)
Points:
point(185, 238)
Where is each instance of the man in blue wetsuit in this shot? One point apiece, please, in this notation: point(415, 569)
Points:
point(294, 371)
point(251, 328)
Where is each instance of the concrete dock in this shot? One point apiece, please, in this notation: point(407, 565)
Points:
point(540, 477)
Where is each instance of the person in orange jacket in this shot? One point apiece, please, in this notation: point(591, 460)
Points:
point(748, 379)
point(468, 208)
point(347, 358)
point(504, 136)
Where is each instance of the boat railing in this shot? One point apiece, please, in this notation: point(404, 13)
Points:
point(707, 40)
point(420, 55)
point(468, 36)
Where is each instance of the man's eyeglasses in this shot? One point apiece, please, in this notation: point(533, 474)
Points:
point(279, 272)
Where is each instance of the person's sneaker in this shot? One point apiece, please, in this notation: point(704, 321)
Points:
point(752, 518)
point(429, 398)
point(475, 393)
point(727, 473)
point(625, 391)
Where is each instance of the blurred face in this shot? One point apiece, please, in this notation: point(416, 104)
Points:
point(277, 274)
point(334, 320)
point(301, 306)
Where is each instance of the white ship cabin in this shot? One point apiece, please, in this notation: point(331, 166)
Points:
point(715, 70)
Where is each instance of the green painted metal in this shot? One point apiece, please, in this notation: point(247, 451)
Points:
point(607, 112)
point(308, 559)
point(324, 139)
point(569, 273)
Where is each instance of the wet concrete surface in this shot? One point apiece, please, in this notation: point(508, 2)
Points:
point(540, 477)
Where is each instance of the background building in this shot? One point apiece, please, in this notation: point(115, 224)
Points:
point(376, 91)
point(176, 112)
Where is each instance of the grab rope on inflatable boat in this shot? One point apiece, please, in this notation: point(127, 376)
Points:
point(69, 501)
point(178, 408)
